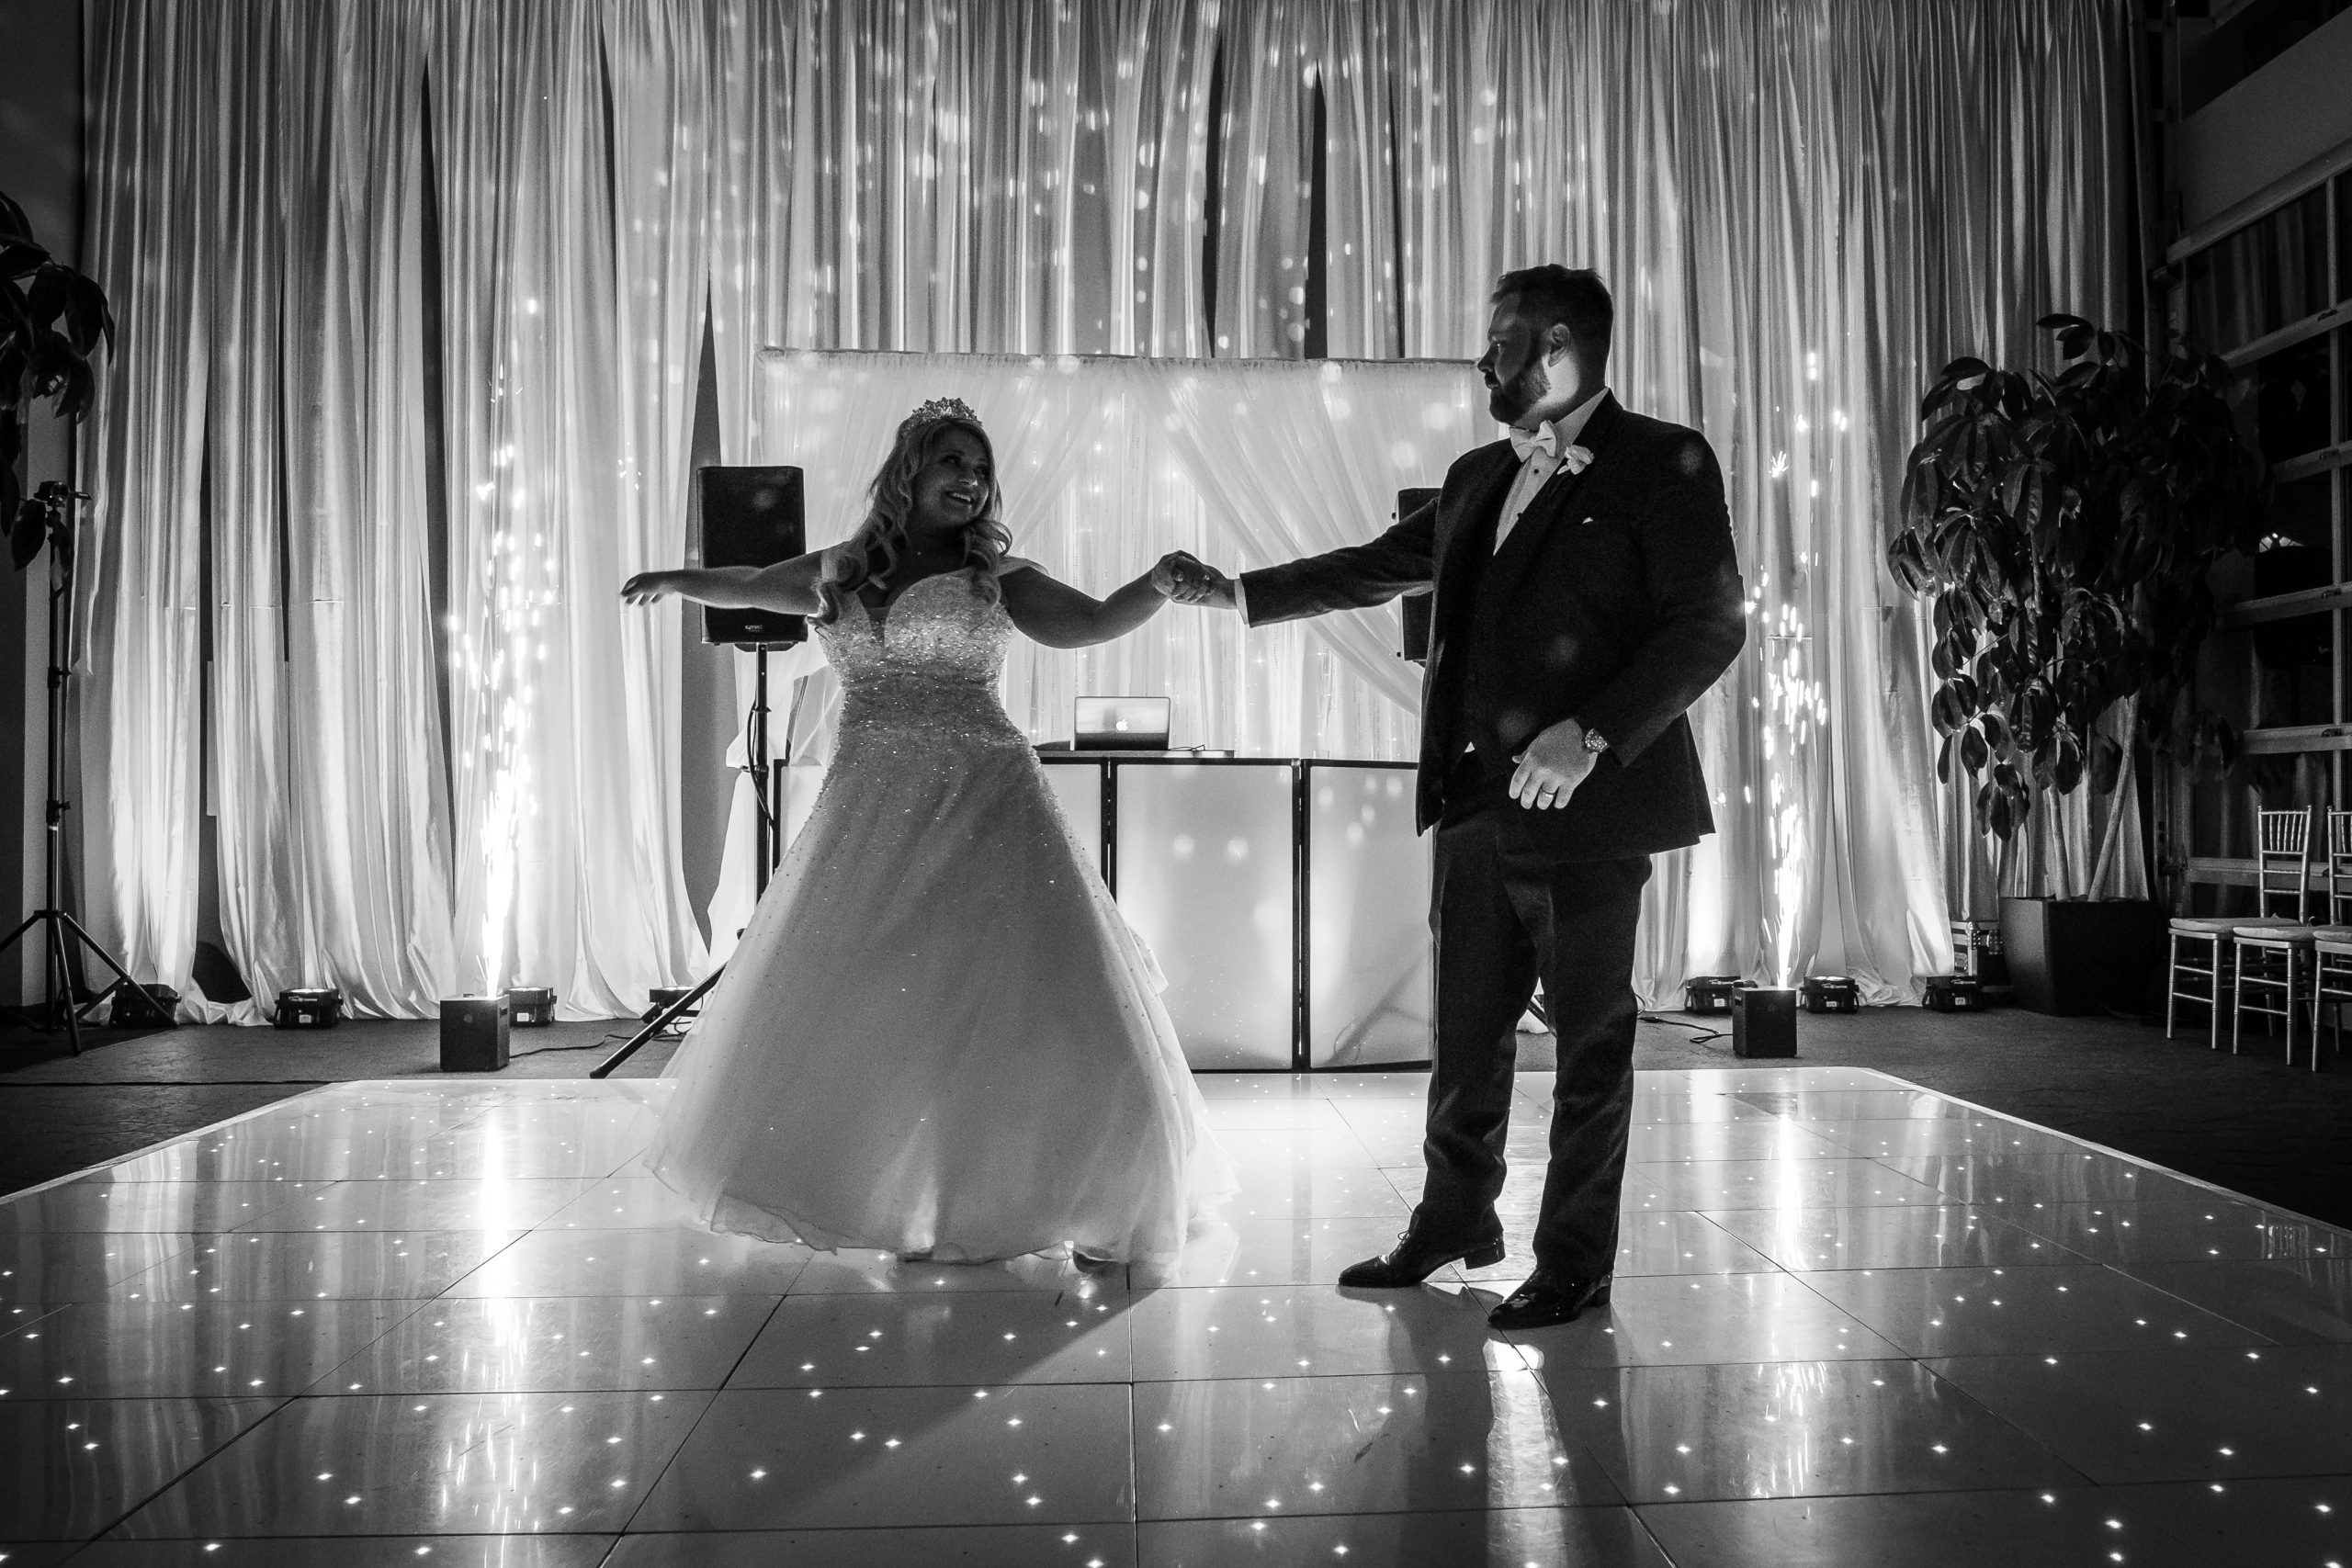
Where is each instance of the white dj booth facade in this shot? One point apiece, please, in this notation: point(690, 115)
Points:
point(1285, 899)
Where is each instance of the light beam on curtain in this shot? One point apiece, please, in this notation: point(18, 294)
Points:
point(567, 875)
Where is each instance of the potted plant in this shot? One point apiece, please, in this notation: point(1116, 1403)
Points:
point(52, 319)
point(2066, 527)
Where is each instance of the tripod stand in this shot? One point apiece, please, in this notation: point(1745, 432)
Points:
point(767, 788)
point(60, 931)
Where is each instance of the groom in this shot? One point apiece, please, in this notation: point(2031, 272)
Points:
point(1586, 593)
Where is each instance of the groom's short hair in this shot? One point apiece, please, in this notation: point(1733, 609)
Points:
point(1554, 293)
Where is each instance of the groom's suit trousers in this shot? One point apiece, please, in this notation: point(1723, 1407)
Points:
point(1504, 916)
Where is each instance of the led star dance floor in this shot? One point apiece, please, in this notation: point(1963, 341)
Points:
point(1855, 1322)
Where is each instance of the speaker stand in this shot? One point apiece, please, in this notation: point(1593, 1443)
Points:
point(767, 790)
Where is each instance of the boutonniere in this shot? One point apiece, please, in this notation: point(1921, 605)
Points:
point(1577, 460)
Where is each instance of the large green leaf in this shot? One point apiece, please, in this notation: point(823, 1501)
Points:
point(26, 532)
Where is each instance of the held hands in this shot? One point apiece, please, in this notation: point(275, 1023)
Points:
point(647, 587)
point(1552, 767)
point(1181, 577)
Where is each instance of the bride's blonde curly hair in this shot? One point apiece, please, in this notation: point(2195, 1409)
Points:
point(871, 553)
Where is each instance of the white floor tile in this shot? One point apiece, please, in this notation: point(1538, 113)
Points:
point(967, 1546)
point(1670, 1319)
point(1917, 1530)
point(1796, 1429)
point(814, 1458)
point(1308, 1331)
point(2220, 1415)
point(869, 1340)
point(272, 1266)
point(431, 1464)
point(636, 1263)
point(498, 1345)
point(207, 1350)
point(1275, 1448)
point(1567, 1538)
point(78, 1465)
point(2202, 1229)
point(1964, 1312)
point(1889, 1236)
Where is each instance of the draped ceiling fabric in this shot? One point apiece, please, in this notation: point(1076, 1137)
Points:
point(1805, 207)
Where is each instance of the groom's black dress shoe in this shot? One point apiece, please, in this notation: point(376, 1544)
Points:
point(1417, 1256)
point(1547, 1298)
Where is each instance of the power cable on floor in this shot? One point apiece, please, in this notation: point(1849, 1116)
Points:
point(1699, 1035)
point(616, 1037)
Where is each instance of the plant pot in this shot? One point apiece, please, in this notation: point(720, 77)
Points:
point(2070, 957)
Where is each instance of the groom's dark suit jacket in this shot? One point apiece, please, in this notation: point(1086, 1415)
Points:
point(1616, 601)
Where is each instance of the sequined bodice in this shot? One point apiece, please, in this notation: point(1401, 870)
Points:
point(926, 666)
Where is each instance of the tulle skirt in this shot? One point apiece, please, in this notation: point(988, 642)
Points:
point(939, 1036)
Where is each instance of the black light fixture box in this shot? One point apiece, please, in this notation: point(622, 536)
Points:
point(1830, 993)
point(474, 1033)
point(319, 1007)
point(1952, 993)
point(530, 1007)
point(131, 1010)
point(1708, 993)
point(1764, 1022)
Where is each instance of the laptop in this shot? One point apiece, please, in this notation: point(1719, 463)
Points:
point(1122, 724)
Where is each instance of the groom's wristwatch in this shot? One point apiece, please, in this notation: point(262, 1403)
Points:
point(1594, 743)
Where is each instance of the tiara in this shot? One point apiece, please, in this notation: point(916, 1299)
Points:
point(939, 409)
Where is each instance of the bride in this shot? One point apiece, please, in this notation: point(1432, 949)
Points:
point(937, 1035)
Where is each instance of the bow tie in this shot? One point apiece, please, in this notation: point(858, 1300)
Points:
point(1544, 438)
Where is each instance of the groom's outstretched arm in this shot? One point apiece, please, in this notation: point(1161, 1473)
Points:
point(1354, 578)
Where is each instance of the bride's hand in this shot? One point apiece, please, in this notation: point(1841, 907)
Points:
point(647, 587)
point(1187, 580)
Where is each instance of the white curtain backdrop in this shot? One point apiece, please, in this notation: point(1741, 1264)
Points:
point(412, 291)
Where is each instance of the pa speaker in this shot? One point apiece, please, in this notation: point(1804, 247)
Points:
point(1764, 1022)
point(752, 517)
point(1415, 607)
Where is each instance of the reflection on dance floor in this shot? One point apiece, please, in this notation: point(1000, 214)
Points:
point(1854, 1323)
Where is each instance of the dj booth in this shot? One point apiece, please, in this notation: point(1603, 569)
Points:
point(1287, 899)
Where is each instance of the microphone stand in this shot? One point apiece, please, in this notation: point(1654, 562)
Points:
point(60, 931)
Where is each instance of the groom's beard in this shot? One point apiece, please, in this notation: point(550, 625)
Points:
point(1509, 400)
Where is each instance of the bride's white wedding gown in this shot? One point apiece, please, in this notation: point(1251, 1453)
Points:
point(937, 1034)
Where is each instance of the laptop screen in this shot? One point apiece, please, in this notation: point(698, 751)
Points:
point(1122, 724)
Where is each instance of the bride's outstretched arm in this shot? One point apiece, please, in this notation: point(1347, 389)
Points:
point(788, 587)
point(1058, 615)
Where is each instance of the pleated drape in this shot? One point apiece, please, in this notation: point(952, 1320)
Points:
point(328, 774)
point(1803, 205)
point(136, 709)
